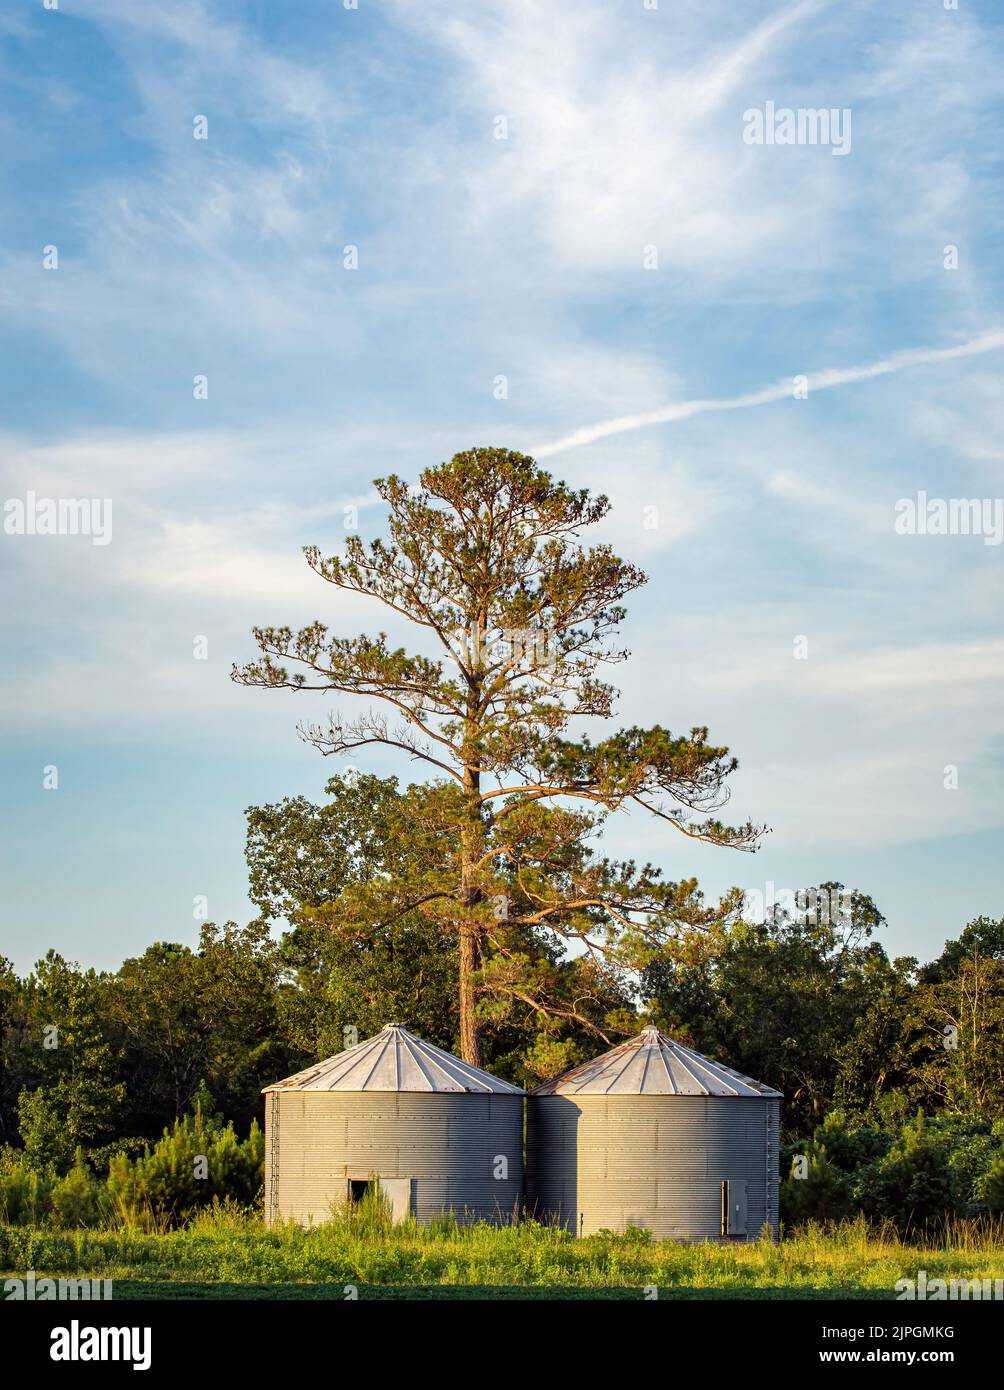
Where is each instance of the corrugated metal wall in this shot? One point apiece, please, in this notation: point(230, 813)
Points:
point(448, 1144)
point(597, 1162)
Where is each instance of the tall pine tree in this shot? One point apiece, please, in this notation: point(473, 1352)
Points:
point(513, 619)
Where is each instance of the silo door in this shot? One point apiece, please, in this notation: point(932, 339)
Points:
point(398, 1193)
point(734, 1209)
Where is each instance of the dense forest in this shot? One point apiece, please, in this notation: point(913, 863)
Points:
point(892, 1070)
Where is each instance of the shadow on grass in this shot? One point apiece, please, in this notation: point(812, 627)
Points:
point(130, 1289)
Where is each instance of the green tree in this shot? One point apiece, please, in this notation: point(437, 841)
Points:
point(304, 862)
point(779, 999)
point(913, 1185)
point(153, 1009)
point(181, 1017)
point(983, 936)
point(823, 1193)
point(881, 1060)
point(301, 855)
point(485, 565)
point(75, 1098)
point(13, 1029)
point(302, 858)
point(963, 1011)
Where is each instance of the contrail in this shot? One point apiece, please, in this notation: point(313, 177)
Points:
point(781, 390)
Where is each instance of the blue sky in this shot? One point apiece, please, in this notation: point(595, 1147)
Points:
point(481, 257)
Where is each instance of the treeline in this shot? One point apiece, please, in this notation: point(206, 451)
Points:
point(97, 1065)
point(104, 1061)
point(816, 1008)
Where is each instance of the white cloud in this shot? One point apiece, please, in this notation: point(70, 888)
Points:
point(617, 138)
point(524, 257)
point(825, 379)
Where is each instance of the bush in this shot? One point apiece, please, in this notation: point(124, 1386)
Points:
point(989, 1188)
point(970, 1157)
point(24, 1196)
point(824, 1194)
point(372, 1215)
point(77, 1199)
point(192, 1165)
point(913, 1185)
point(47, 1146)
point(848, 1146)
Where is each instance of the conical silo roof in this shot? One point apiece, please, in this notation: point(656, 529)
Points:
point(652, 1064)
point(394, 1060)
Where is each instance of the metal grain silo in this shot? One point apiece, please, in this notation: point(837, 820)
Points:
point(653, 1134)
point(439, 1134)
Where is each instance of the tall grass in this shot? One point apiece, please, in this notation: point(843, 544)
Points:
point(228, 1243)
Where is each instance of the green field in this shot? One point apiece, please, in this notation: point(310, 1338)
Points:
point(228, 1256)
point(133, 1289)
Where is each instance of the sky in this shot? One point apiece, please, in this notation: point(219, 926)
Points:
point(411, 229)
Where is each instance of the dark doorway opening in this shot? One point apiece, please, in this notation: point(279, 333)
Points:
point(358, 1187)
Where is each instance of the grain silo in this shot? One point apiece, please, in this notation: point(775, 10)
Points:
point(653, 1134)
point(440, 1135)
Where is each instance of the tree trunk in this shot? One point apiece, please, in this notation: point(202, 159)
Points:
point(470, 1031)
point(472, 841)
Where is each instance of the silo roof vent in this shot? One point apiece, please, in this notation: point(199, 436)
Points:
point(395, 1060)
point(653, 1064)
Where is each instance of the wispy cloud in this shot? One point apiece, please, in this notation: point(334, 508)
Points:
point(821, 380)
point(479, 258)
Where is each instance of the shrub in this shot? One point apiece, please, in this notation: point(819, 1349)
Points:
point(970, 1155)
point(24, 1196)
point(47, 1146)
point(77, 1199)
point(849, 1146)
point(913, 1185)
point(989, 1188)
point(824, 1194)
point(192, 1165)
point(631, 1235)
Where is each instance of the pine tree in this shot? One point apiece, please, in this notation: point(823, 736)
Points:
point(515, 619)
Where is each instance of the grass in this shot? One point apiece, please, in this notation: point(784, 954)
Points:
point(493, 1293)
point(229, 1254)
